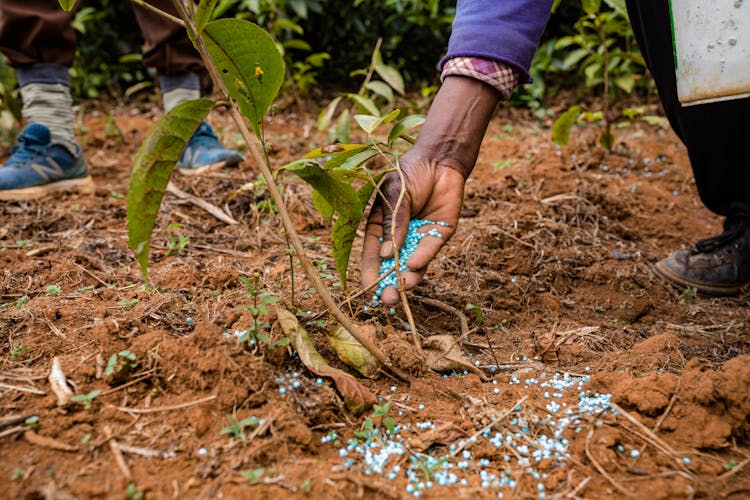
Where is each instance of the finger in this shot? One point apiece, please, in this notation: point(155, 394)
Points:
point(410, 279)
point(371, 248)
point(428, 248)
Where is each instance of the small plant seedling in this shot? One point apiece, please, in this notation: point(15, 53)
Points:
point(176, 242)
point(689, 294)
point(730, 465)
point(17, 474)
point(428, 465)
point(306, 486)
point(478, 315)
point(368, 426)
point(32, 423)
point(259, 309)
point(133, 494)
point(86, 399)
point(53, 290)
point(237, 429)
point(253, 476)
point(121, 364)
point(127, 304)
point(86, 439)
point(19, 351)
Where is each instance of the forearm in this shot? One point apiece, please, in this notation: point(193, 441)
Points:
point(456, 122)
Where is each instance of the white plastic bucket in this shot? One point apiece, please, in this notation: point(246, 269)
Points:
point(712, 49)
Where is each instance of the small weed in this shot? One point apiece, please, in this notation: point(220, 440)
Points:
point(499, 165)
point(19, 351)
point(689, 294)
point(253, 476)
point(306, 486)
point(85, 399)
point(114, 195)
point(127, 304)
point(53, 290)
point(176, 242)
point(478, 315)
point(237, 429)
point(428, 465)
point(259, 309)
point(368, 426)
point(120, 361)
point(730, 465)
point(132, 493)
point(85, 289)
point(32, 423)
point(86, 439)
point(17, 474)
point(24, 243)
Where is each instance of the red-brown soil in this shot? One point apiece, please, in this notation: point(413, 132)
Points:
point(555, 246)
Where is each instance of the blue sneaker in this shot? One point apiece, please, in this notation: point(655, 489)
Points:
point(204, 150)
point(36, 167)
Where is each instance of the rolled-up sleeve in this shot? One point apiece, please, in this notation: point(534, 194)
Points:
point(506, 31)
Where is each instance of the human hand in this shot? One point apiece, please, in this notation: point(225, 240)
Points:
point(434, 192)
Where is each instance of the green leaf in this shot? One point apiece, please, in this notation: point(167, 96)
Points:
point(249, 63)
point(322, 206)
point(340, 195)
point(356, 396)
point(563, 124)
point(343, 127)
point(354, 354)
point(203, 14)
point(573, 58)
point(297, 44)
point(351, 162)
point(381, 89)
point(325, 116)
point(391, 76)
point(606, 141)
point(404, 126)
point(152, 168)
point(368, 123)
point(625, 82)
point(591, 6)
point(618, 6)
point(365, 103)
point(345, 229)
point(67, 5)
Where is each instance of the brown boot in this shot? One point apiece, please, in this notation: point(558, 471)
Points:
point(718, 266)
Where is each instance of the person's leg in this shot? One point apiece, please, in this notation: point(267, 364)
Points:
point(36, 38)
point(180, 71)
point(714, 135)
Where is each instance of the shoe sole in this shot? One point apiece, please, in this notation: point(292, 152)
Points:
point(702, 288)
point(82, 185)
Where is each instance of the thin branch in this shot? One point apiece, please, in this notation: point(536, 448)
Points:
point(165, 408)
point(159, 12)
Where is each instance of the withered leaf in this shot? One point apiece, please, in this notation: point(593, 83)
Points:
point(357, 397)
point(444, 433)
point(351, 352)
point(443, 354)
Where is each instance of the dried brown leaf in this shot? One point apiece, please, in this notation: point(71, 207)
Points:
point(357, 397)
point(443, 354)
point(444, 433)
point(351, 352)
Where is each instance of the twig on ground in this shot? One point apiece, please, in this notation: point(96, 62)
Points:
point(14, 419)
point(140, 378)
point(165, 408)
point(117, 453)
point(601, 470)
point(481, 431)
point(200, 203)
point(20, 388)
point(655, 440)
point(13, 430)
point(47, 442)
point(145, 452)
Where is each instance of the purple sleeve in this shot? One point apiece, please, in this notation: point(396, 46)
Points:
point(506, 31)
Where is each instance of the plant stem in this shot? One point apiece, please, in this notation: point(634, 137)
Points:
point(605, 71)
point(159, 12)
point(254, 147)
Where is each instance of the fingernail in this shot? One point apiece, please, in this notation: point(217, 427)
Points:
point(386, 250)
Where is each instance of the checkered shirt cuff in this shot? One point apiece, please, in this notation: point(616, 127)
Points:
point(501, 76)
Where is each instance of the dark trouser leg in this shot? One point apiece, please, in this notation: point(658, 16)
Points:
point(36, 31)
point(715, 134)
point(167, 49)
